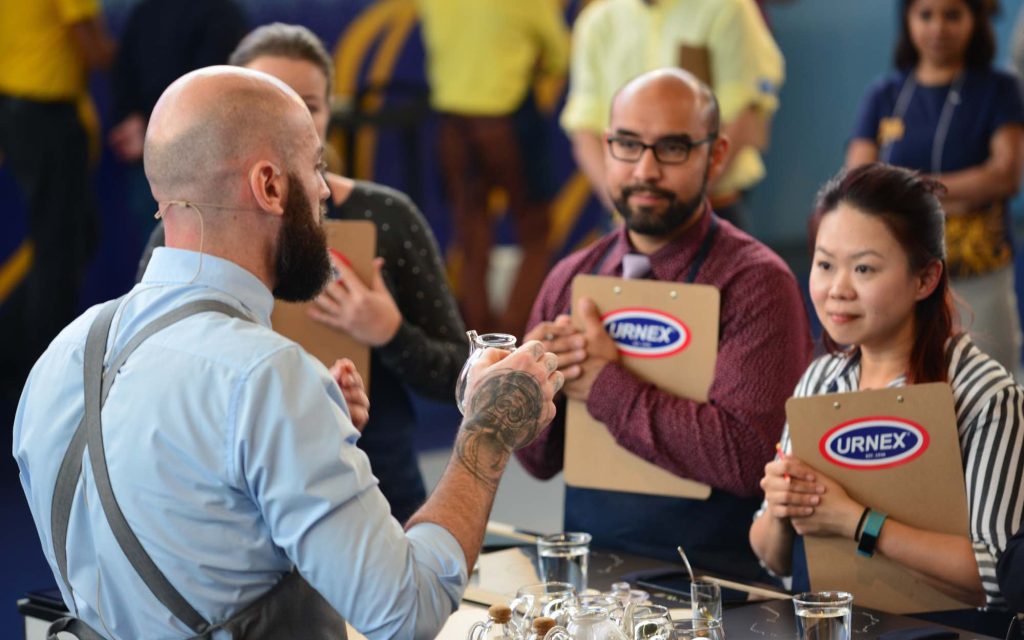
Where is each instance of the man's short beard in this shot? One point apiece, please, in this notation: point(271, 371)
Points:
point(648, 223)
point(302, 265)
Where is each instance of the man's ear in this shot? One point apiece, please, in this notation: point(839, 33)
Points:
point(719, 152)
point(268, 187)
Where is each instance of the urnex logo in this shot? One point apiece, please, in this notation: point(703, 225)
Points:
point(646, 333)
point(877, 442)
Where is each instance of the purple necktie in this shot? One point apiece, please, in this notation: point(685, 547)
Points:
point(635, 265)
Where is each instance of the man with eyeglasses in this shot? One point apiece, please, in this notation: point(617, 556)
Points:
point(662, 148)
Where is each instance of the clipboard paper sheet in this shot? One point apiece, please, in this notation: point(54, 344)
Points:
point(668, 335)
point(357, 241)
point(896, 450)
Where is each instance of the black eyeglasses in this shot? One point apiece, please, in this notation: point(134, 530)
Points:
point(666, 151)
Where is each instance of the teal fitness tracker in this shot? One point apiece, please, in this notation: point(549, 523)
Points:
point(869, 534)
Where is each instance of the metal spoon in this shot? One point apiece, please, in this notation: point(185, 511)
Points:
point(702, 610)
point(689, 569)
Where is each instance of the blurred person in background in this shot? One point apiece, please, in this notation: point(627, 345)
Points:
point(162, 41)
point(47, 48)
point(482, 59)
point(946, 111)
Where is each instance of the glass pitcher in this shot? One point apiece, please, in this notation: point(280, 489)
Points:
point(609, 603)
point(646, 621)
point(550, 599)
point(593, 623)
point(477, 344)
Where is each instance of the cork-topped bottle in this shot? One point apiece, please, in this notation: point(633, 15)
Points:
point(542, 625)
point(497, 627)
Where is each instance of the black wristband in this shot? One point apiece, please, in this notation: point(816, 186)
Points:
point(860, 524)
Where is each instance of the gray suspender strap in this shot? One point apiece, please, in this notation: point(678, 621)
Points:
point(71, 465)
point(75, 627)
point(97, 386)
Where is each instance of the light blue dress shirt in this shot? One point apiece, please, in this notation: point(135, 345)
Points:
point(233, 458)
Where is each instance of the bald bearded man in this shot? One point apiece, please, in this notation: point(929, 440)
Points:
point(219, 491)
point(663, 148)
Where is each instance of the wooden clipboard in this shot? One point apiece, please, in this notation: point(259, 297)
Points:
point(696, 60)
point(593, 459)
point(922, 488)
point(357, 241)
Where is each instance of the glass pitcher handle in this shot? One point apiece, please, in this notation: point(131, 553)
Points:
point(557, 633)
point(478, 631)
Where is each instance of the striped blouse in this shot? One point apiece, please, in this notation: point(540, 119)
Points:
point(990, 421)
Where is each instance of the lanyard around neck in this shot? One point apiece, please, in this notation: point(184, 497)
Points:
point(698, 260)
point(941, 129)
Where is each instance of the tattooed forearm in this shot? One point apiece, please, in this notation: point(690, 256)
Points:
point(505, 414)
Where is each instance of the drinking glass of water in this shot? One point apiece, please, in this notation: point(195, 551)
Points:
point(706, 599)
point(823, 615)
point(697, 629)
point(563, 557)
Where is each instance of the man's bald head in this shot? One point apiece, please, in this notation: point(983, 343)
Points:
point(662, 149)
point(215, 122)
point(670, 86)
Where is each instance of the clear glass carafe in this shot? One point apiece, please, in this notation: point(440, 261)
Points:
point(477, 345)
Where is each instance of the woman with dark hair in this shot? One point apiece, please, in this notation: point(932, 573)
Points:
point(407, 314)
point(947, 112)
point(879, 286)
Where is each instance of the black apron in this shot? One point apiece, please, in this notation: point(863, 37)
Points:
point(290, 609)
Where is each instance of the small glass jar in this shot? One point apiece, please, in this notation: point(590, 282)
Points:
point(477, 345)
point(623, 592)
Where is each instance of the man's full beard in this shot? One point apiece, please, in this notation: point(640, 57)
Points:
point(649, 223)
point(302, 265)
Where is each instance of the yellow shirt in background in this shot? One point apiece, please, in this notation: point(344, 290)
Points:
point(38, 58)
point(483, 55)
point(616, 40)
